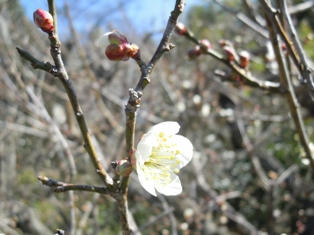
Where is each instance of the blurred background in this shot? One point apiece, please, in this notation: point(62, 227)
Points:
point(227, 189)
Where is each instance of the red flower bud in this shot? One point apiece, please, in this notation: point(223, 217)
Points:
point(230, 53)
point(116, 52)
point(119, 47)
point(181, 29)
point(195, 52)
point(43, 20)
point(244, 59)
point(205, 45)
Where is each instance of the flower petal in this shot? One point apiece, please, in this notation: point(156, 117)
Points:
point(144, 147)
point(171, 189)
point(146, 184)
point(186, 149)
point(169, 128)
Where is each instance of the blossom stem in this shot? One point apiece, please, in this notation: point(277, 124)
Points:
point(135, 101)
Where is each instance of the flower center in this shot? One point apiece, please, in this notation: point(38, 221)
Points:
point(163, 161)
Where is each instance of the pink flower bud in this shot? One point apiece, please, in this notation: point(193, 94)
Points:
point(229, 53)
point(244, 59)
point(43, 20)
point(181, 29)
point(195, 52)
point(205, 45)
point(119, 47)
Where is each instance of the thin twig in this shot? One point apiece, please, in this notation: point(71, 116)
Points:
point(291, 97)
point(59, 186)
point(247, 77)
point(37, 64)
point(272, 14)
point(306, 73)
point(64, 78)
point(244, 19)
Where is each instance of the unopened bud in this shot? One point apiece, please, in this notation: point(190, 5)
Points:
point(43, 19)
point(205, 45)
point(123, 168)
point(195, 52)
point(119, 47)
point(181, 29)
point(229, 53)
point(116, 52)
point(244, 59)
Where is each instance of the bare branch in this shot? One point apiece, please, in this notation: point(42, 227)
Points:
point(37, 64)
point(64, 78)
point(59, 186)
point(248, 78)
point(291, 97)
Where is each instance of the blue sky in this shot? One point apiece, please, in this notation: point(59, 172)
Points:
point(141, 15)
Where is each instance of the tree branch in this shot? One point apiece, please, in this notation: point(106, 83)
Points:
point(135, 101)
point(37, 64)
point(247, 77)
point(55, 51)
point(59, 186)
point(291, 97)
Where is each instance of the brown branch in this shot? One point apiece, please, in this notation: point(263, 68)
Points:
point(55, 51)
point(245, 75)
point(59, 71)
point(136, 94)
point(135, 101)
point(37, 64)
point(299, 62)
point(287, 84)
point(306, 73)
point(59, 186)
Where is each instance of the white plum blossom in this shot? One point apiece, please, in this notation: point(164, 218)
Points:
point(159, 156)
